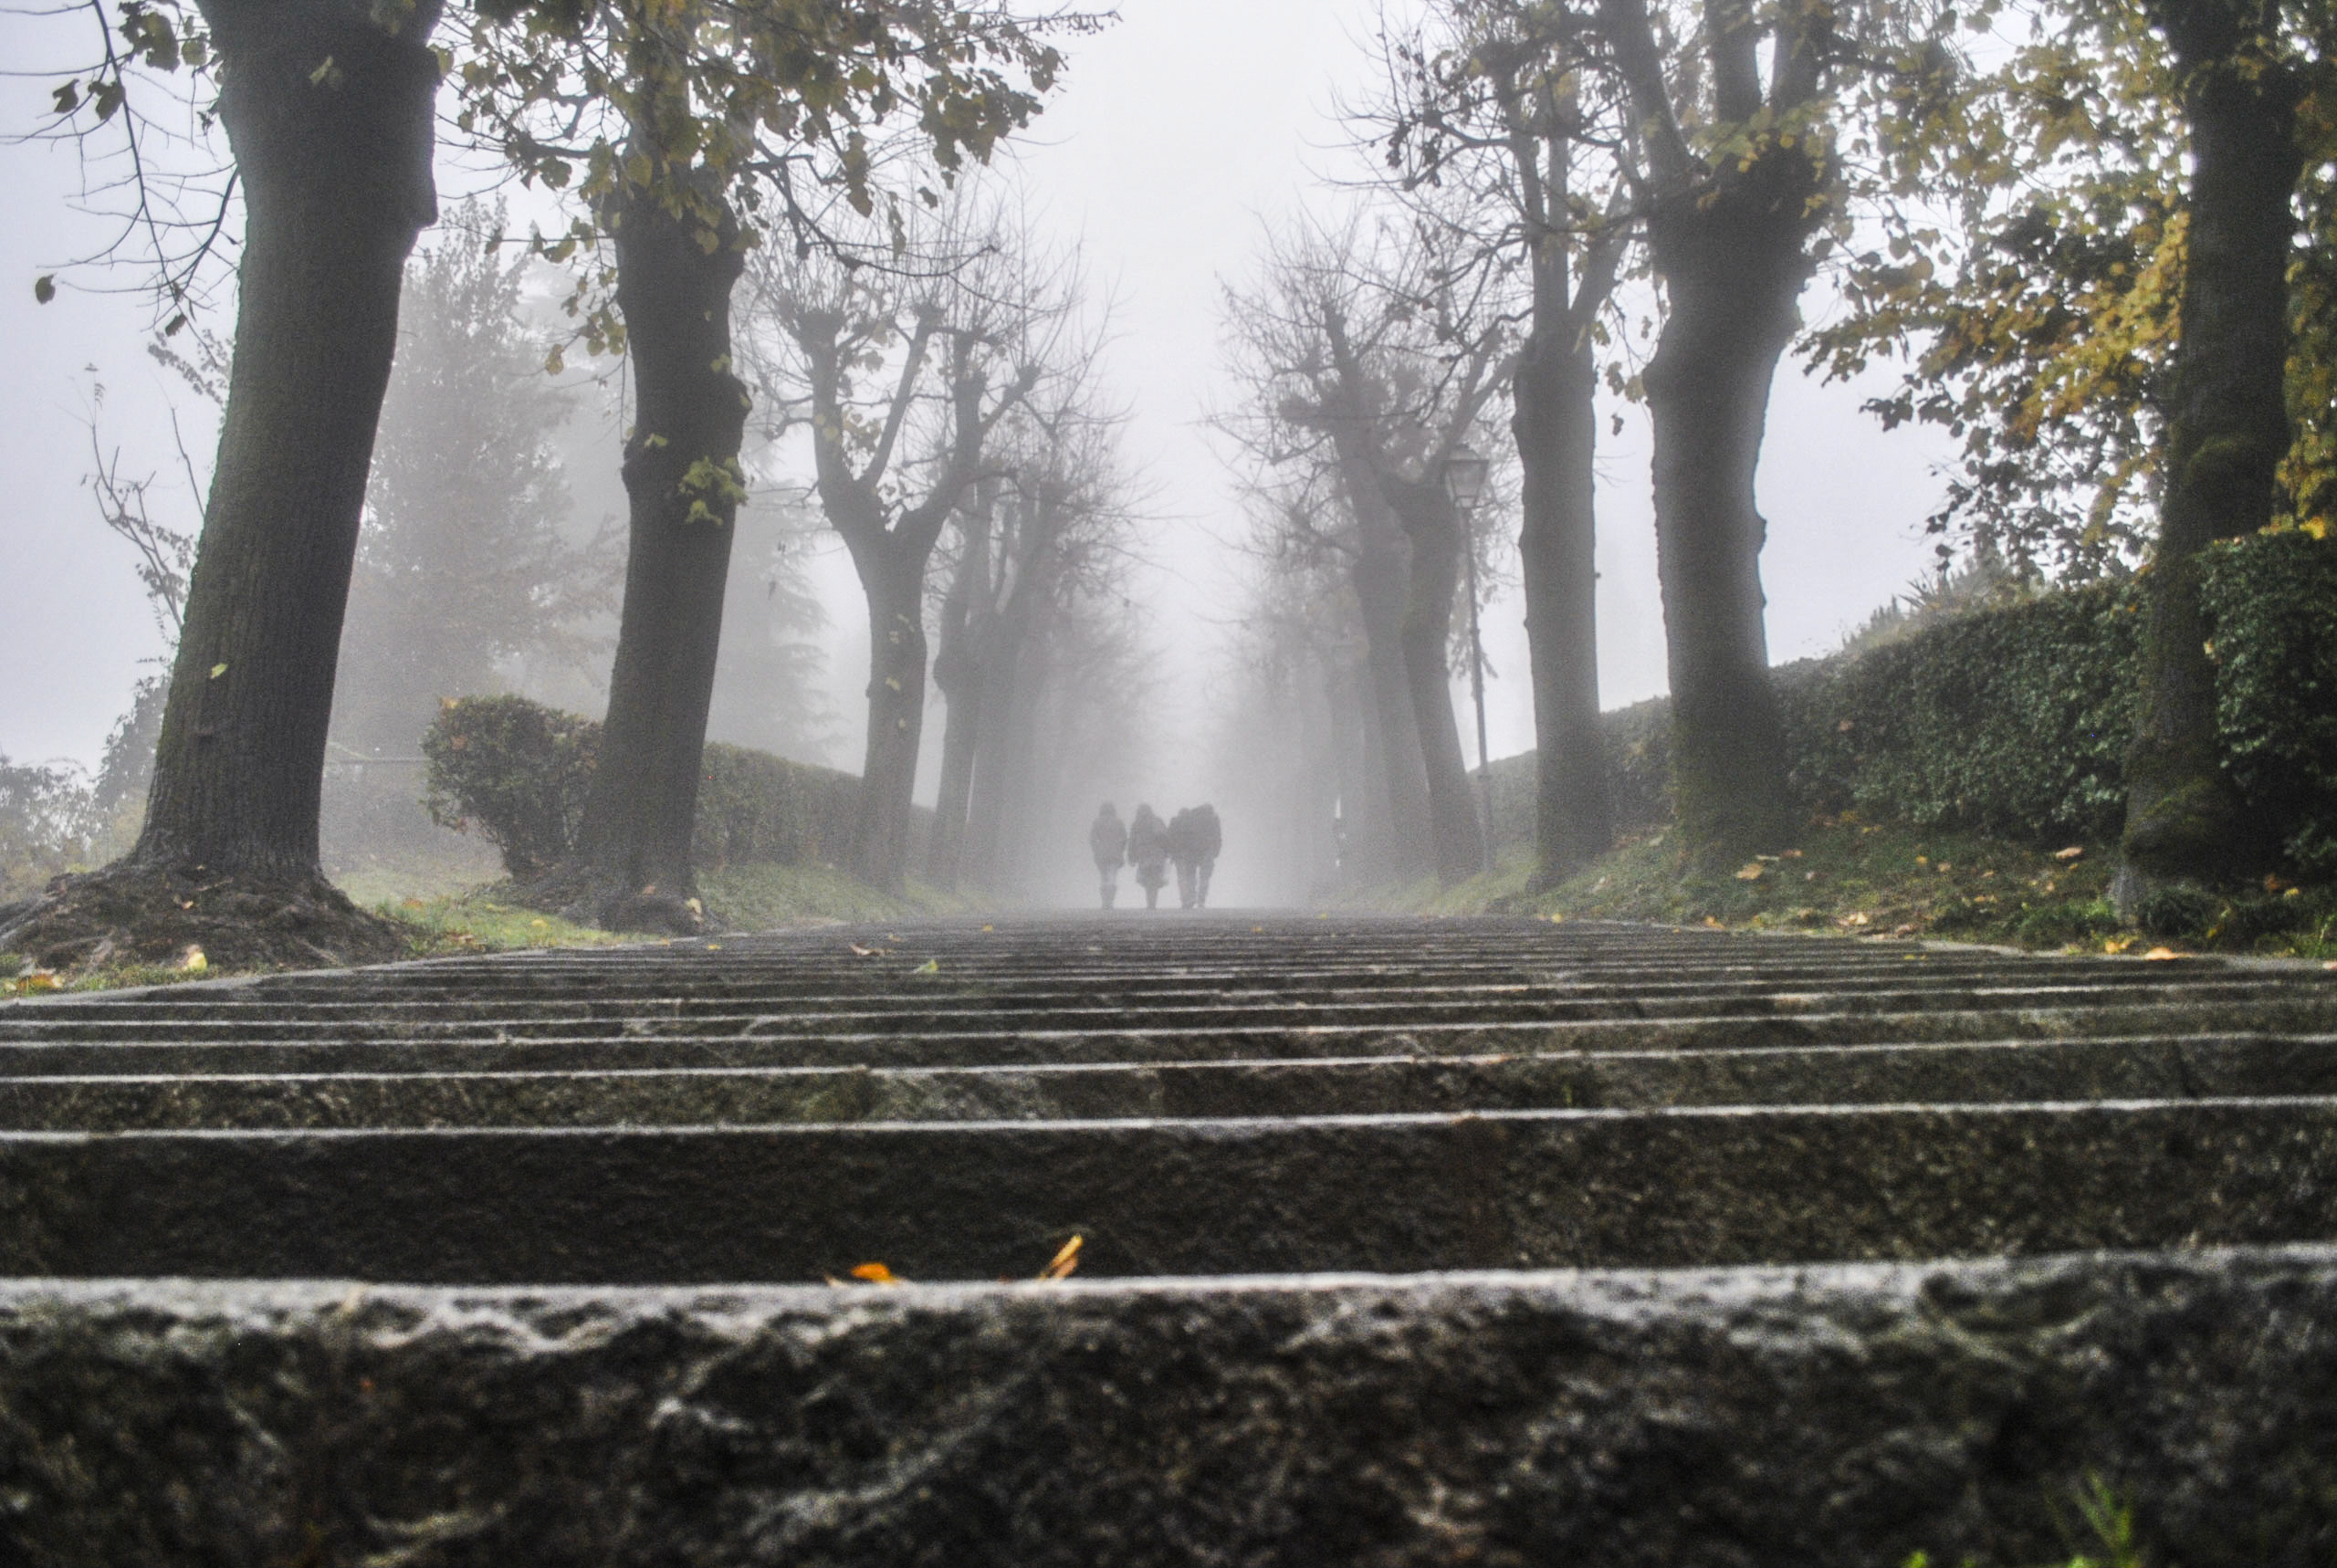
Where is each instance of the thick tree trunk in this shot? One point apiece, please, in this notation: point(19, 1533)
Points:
point(961, 744)
point(1732, 269)
point(1363, 857)
point(1026, 772)
point(1320, 782)
point(335, 170)
point(1433, 525)
point(987, 854)
point(2227, 429)
point(894, 588)
point(336, 183)
point(1556, 426)
point(1380, 577)
point(958, 673)
point(630, 868)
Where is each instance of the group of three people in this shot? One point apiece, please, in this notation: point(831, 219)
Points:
point(1189, 841)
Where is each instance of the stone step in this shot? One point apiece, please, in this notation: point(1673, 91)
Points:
point(650, 1145)
point(975, 1201)
point(1828, 1418)
point(2174, 1067)
point(646, 1047)
point(1023, 1010)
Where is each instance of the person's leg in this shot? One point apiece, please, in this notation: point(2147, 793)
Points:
point(1207, 866)
point(1185, 884)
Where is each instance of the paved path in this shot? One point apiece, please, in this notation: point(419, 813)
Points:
point(1202, 1101)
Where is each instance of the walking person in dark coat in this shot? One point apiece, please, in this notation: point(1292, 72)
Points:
point(1148, 848)
point(1184, 853)
point(1107, 840)
point(1209, 838)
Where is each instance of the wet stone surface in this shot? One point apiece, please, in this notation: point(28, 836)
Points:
point(1840, 1415)
point(573, 1208)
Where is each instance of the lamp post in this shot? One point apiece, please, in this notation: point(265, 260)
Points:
point(1464, 483)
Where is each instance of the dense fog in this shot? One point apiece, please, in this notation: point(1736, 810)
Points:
point(1183, 654)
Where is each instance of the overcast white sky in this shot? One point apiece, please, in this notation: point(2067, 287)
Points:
point(1179, 130)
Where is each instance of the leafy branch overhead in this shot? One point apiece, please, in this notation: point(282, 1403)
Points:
point(2029, 259)
point(779, 116)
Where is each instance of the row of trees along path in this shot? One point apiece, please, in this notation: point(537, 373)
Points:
point(1530, 159)
point(674, 124)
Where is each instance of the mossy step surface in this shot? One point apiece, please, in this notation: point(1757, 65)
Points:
point(966, 1200)
point(1823, 1417)
point(2174, 1067)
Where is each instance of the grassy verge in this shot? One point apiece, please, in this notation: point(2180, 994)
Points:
point(1862, 879)
point(765, 898)
point(444, 920)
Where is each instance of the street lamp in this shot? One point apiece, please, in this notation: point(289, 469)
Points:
point(1464, 483)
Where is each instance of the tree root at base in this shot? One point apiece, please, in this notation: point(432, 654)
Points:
point(131, 914)
point(589, 896)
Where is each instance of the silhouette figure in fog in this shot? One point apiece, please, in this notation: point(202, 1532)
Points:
point(1194, 839)
point(1148, 848)
point(1183, 854)
point(1208, 839)
point(1108, 841)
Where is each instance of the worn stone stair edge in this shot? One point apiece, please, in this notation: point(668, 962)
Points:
point(1836, 1415)
point(1204, 1128)
point(952, 1200)
point(773, 945)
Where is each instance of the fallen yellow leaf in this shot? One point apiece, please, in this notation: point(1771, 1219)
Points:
point(192, 962)
point(1753, 871)
point(1063, 1261)
point(876, 1274)
point(2070, 853)
point(2161, 952)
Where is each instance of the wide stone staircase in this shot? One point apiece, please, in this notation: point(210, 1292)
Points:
point(1398, 1241)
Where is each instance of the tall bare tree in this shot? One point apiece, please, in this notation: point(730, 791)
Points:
point(1061, 543)
point(1493, 130)
point(900, 373)
point(1364, 347)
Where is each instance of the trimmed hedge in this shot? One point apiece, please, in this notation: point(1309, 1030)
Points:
point(2015, 721)
point(517, 773)
point(513, 771)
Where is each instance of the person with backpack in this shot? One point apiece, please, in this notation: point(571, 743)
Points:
point(1148, 850)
